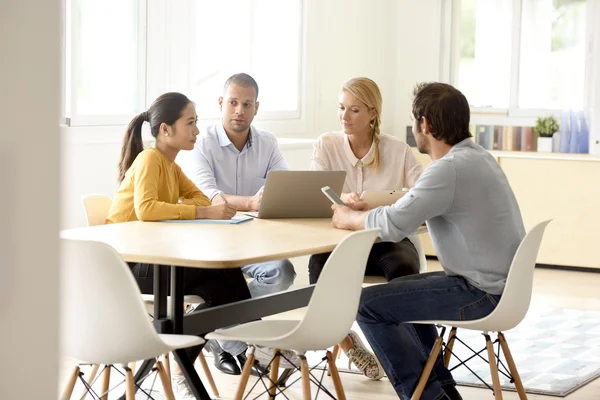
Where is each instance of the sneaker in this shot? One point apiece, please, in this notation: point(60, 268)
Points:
point(181, 389)
point(363, 359)
point(265, 354)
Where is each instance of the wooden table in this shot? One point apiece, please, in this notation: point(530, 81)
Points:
point(213, 246)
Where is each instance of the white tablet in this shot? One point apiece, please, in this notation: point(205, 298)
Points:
point(378, 198)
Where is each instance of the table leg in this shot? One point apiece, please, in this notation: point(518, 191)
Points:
point(186, 365)
point(191, 376)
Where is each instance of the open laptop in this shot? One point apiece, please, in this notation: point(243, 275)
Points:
point(297, 194)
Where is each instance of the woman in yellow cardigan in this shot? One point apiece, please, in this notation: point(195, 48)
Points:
point(153, 187)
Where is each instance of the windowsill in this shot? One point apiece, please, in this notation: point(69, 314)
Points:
point(114, 135)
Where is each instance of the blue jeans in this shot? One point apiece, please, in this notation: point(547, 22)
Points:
point(270, 277)
point(403, 348)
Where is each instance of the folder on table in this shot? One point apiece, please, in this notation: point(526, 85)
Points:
point(233, 221)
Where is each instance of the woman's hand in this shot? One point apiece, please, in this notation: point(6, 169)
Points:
point(217, 211)
point(354, 201)
point(350, 198)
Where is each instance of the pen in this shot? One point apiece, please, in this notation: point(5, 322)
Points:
point(223, 197)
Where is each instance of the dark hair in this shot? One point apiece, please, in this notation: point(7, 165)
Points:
point(446, 109)
point(166, 108)
point(243, 80)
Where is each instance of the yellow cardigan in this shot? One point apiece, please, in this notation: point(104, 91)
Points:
point(155, 188)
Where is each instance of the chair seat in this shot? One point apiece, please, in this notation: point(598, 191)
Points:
point(191, 299)
point(485, 324)
point(262, 333)
point(180, 341)
point(116, 355)
point(374, 280)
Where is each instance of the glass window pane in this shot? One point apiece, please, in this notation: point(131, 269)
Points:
point(484, 41)
point(276, 53)
point(552, 69)
point(261, 38)
point(106, 56)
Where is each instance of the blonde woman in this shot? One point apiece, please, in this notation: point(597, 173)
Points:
point(372, 161)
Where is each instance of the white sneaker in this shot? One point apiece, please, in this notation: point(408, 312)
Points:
point(363, 359)
point(181, 390)
point(265, 354)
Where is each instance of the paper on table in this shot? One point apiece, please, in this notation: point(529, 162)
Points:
point(235, 220)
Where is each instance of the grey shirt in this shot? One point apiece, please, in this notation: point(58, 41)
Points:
point(471, 212)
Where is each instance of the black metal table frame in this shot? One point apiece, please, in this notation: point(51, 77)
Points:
point(208, 319)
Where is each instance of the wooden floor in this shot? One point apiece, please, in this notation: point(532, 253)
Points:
point(556, 288)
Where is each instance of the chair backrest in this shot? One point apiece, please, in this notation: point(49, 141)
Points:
point(96, 207)
point(516, 297)
point(334, 303)
point(103, 319)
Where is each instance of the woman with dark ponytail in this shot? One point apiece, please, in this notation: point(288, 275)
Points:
point(153, 187)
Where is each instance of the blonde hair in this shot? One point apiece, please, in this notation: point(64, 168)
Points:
point(367, 92)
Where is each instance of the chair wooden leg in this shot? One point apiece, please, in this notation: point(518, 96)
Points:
point(335, 377)
point(208, 374)
point(493, 368)
point(512, 367)
point(449, 346)
point(337, 352)
point(435, 351)
point(129, 384)
point(165, 380)
point(167, 364)
point(244, 378)
point(131, 366)
point(70, 384)
point(305, 379)
point(105, 382)
point(89, 380)
point(274, 375)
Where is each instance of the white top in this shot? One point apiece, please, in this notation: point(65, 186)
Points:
point(398, 167)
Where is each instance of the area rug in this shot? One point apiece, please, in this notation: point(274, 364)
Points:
point(556, 351)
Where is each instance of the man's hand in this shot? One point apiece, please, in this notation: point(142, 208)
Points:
point(346, 218)
point(254, 203)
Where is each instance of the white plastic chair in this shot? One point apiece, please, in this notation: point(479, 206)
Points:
point(96, 208)
point(103, 320)
point(326, 322)
point(509, 312)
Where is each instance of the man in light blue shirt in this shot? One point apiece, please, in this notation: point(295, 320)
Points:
point(230, 162)
point(476, 227)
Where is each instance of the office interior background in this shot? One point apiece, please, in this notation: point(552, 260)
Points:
point(74, 72)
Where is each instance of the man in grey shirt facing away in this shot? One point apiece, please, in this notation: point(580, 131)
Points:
point(475, 224)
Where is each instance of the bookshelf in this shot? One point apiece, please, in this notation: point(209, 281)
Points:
point(564, 187)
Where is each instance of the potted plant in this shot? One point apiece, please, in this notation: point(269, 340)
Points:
point(546, 127)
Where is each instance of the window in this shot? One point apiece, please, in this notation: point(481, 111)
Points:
point(261, 38)
point(122, 54)
point(526, 55)
point(105, 56)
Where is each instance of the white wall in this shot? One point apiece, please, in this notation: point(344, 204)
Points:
point(29, 178)
point(344, 38)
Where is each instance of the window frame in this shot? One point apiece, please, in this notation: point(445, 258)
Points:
point(154, 70)
point(514, 113)
point(72, 41)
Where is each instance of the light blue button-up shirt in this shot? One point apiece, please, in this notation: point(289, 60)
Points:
point(215, 165)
